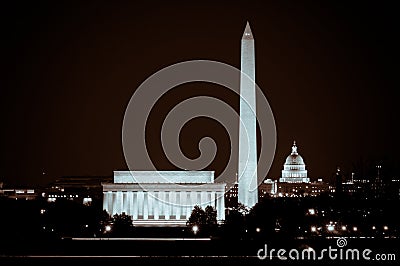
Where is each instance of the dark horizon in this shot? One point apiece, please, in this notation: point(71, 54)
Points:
point(327, 70)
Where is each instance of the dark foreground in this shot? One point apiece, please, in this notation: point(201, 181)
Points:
point(184, 252)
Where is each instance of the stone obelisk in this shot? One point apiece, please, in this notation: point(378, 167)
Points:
point(247, 168)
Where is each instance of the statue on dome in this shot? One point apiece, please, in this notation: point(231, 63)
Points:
point(294, 148)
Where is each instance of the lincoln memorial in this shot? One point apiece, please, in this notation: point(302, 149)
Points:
point(162, 197)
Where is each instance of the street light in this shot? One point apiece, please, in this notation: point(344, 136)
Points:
point(195, 229)
point(385, 228)
point(313, 229)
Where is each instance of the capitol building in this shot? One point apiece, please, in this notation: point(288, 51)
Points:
point(294, 180)
point(294, 169)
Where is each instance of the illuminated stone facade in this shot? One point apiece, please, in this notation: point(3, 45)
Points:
point(247, 169)
point(294, 169)
point(162, 197)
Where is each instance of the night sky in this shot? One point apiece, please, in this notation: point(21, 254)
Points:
point(69, 69)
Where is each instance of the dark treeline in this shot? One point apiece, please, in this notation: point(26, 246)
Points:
point(271, 218)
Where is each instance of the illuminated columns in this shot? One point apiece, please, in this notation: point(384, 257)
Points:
point(145, 205)
point(151, 203)
point(130, 203)
point(213, 201)
point(114, 203)
point(182, 202)
point(166, 205)
point(105, 201)
point(125, 202)
point(220, 206)
point(178, 205)
point(198, 198)
point(188, 204)
point(135, 212)
point(140, 203)
point(156, 205)
point(172, 203)
point(110, 202)
point(203, 199)
point(161, 203)
point(150, 200)
point(119, 203)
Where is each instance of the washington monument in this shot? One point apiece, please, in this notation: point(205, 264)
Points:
point(247, 168)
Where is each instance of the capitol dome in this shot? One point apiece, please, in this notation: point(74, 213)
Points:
point(294, 159)
point(294, 169)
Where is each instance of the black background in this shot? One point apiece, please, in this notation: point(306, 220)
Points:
point(327, 68)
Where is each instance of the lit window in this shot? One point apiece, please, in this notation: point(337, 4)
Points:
point(87, 201)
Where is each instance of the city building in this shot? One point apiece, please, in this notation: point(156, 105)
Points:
point(17, 193)
point(377, 185)
point(294, 169)
point(372, 187)
point(393, 189)
point(338, 182)
point(164, 198)
point(231, 196)
point(294, 181)
point(302, 189)
point(83, 189)
point(268, 188)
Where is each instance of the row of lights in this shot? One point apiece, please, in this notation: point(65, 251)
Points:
point(62, 196)
point(280, 195)
point(331, 227)
point(195, 228)
point(313, 212)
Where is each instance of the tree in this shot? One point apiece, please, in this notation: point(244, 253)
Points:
point(122, 224)
point(243, 209)
point(197, 217)
point(104, 216)
point(205, 220)
point(210, 216)
point(235, 225)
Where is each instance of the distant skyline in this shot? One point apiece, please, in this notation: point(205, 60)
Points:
point(327, 70)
